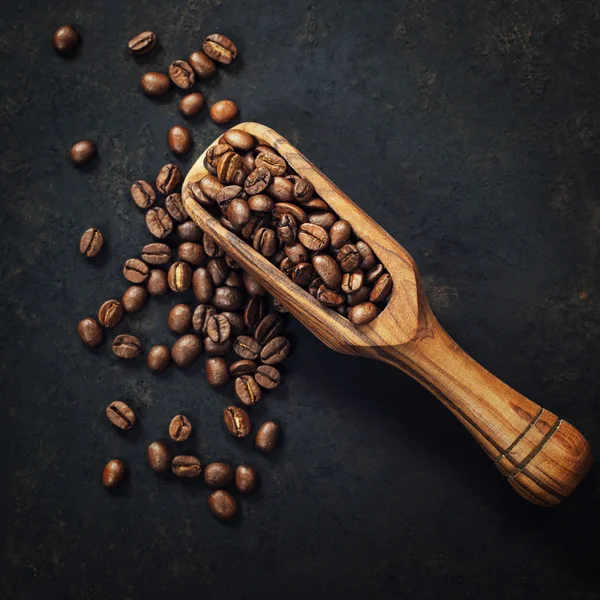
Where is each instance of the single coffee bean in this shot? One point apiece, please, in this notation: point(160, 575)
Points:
point(247, 390)
point(142, 43)
point(217, 348)
point(267, 436)
point(275, 351)
point(249, 163)
point(368, 258)
point(65, 39)
point(156, 253)
point(222, 112)
point(159, 457)
point(228, 166)
point(114, 473)
point(328, 270)
point(273, 162)
point(191, 105)
point(186, 350)
point(265, 241)
point(315, 204)
point(218, 328)
point(252, 285)
point(382, 288)
point(257, 181)
point(91, 242)
point(361, 295)
point(329, 297)
point(217, 373)
point(222, 505)
point(120, 415)
point(192, 253)
point(218, 475)
point(303, 190)
point(246, 347)
point(155, 84)
point(203, 286)
point(82, 152)
point(143, 194)
point(218, 269)
point(228, 298)
point(135, 270)
point(179, 140)
point(362, 313)
point(281, 190)
point(186, 466)
point(239, 140)
point(287, 229)
point(268, 329)
point(214, 154)
point(323, 218)
point(168, 178)
point(189, 232)
point(203, 66)
point(180, 276)
point(245, 479)
point(340, 233)
point(255, 311)
point(134, 298)
point(158, 358)
point(348, 258)
point(201, 316)
point(373, 274)
point(219, 48)
point(237, 421)
point(352, 282)
point(267, 377)
point(126, 346)
point(260, 203)
point(159, 222)
point(242, 367)
point(303, 274)
point(157, 283)
point(238, 213)
point(180, 428)
point(211, 186)
point(182, 74)
point(313, 236)
point(234, 279)
point(175, 207)
point(180, 318)
point(110, 313)
point(236, 320)
point(282, 208)
point(314, 285)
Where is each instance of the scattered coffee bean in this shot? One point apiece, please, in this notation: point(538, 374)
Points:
point(217, 373)
point(82, 152)
point(159, 222)
point(275, 351)
point(158, 358)
point(236, 320)
point(234, 279)
point(202, 313)
point(239, 140)
point(143, 194)
point(91, 242)
point(222, 505)
point(203, 66)
point(186, 466)
point(180, 318)
point(142, 43)
point(267, 436)
point(267, 377)
point(203, 286)
point(218, 328)
point(65, 39)
point(114, 473)
point(90, 332)
point(245, 479)
point(189, 232)
point(217, 348)
point(186, 350)
point(268, 328)
point(218, 475)
point(126, 346)
point(247, 390)
point(219, 48)
point(180, 276)
point(155, 84)
point(246, 347)
point(156, 253)
point(179, 139)
point(182, 74)
point(168, 178)
point(180, 428)
point(242, 367)
point(192, 253)
point(362, 313)
point(120, 415)
point(211, 248)
point(222, 112)
point(191, 105)
point(228, 298)
point(175, 208)
point(218, 269)
point(255, 311)
point(134, 298)
point(237, 421)
point(135, 270)
point(110, 313)
point(157, 283)
point(159, 457)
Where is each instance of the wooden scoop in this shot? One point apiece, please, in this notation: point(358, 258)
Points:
point(542, 456)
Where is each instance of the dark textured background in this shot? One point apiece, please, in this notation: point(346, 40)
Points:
point(470, 131)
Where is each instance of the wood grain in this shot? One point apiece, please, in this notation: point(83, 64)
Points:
point(543, 457)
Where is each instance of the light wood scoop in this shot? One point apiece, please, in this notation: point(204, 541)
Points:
point(542, 456)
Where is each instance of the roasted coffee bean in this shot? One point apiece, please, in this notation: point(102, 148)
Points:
point(273, 162)
point(303, 190)
point(247, 390)
point(180, 276)
point(257, 181)
point(279, 307)
point(275, 351)
point(217, 348)
point(287, 265)
point(328, 270)
point(180, 428)
point(217, 372)
point(156, 253)
point(168, 178)
point(202, 285)
point(159, 222)
point(265, 241)
point(267, 377)
point(315, 204)
point(65, 39)
point(238, 213)
point(186, 466)
point(155, 84)
point(219, 48)
point(296, 253)
point(340, 233)
point(373, 274)
point(218, 475)
point(227, 298)
point(323, 218)
point(228, 166)
point(134, 298)
point(211, 186)
point(159, 457)
point(135, 270)
point(114, 473)
point(256, 222)
point(352, 282)
point(191, 253)
point(361, 295)
point(313, 237)
point(268, 329)
point(237, 421)
point(143, 194)
point(246, 347)
point(142, 43)
point(120, 415)
point(227, 195)
point(189, 232)
point(287, 229)
point(218, 328)
point(282, 208)
point(222, 505)
point(362, 313)
point(158, 358)
point(126, 346)
point(267, 436)
point(260, 203)
point(252, 285)
point(303, 274)
point(191, 105)
point(175, 207)
point(348, 258)
point(182, 74)
point(214, 154)
point(382, 288)
point(110, 313)
point(242, 367)
point(82, 152)
point(236, 320)
point(179, 140)
point(91, 242)
point(245, 479)
point(203, 66)
point(225, 223)
point(314, 285)
point(255, 311)
point(211, 247)
point(202, 314)
point(329, 297)
point(180, 318)
point(368, 259)
point(157, 283)
point(186, 350)
point(234, 279)
point(281, 189)
point(239, 140)
point(222, 112)
point(249, 163)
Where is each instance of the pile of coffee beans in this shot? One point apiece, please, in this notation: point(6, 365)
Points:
point(264, 202)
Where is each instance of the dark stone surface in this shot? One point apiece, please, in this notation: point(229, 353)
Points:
point(478, 123)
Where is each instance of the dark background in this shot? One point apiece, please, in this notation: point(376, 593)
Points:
point(470, 131)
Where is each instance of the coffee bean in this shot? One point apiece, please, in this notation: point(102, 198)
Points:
point(257, 181)
point(255, 223)
point(329, 297)
point(189, 232)
point(287, 229)
point(252, 285)
point(323, 218)
point(218, 328)
point(348, 258)
point(373, 274)
point(236, 320)
point(203, 66)
point(202, 314)
point(211, 247)
point(192, 253)
point(214, 154)
point(382, 288)
point(180, 276)
point(175, 207)
point(159, 222)
point(158, 358)
point(134, 298)
point(313, 236)
point(120, 415)
point(246, 347)
point(282, 208)
point(110, 313)
point(368, 259)
point(342, 310)
point(227, 194)
point(218, 475)
point(267, 436)
point(180, 428)
point(287, 265)
point(314, 285)
point(114, 473)
point(260, 203)
point(239, 140)
point(143, 194)
point(168, 178)
point(340, 233)
point(155, 84)
point(191, 105)
point(182, 74)
point(202, 285)
point(228, 166)
point(211, 186)
point(275, 351)
point(219, 48)
point(303, 274)
point(135, 270)
point(82, 152)
point(227, 298)
point(218, 269)
point(157, 283)
point(359, 296)
point(247, 390)
point(222, 505)
point(303, 190)
point(91, 242)
point(249, 163)
point(217, 372)
point(159, 457)
point(222, 112)
point(126, 346)
point(179, 140)
point(238, 213)
point(180, 318)
point(242, 367)
point(281, 190)
point(237, 421)
point(328, 270)
point(186, 350)
point(234, 279)
point(245, 479)
point(255, 311)
point(273, 162)
point(352, 282)
point(265, 241)
point(267, 377)
point(217, 348)
point(362, 313)
point(65, 39)
point(186, 467)
point(156, 253)
point(268, 329)
point(314, 205)
point(142, 43)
